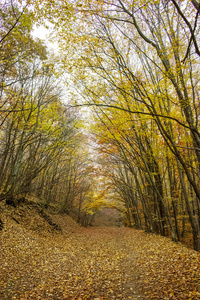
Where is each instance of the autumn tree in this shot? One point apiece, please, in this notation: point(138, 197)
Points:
point(39, 140)
point(131, 62)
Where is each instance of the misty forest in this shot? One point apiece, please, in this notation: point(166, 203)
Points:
point(100, 149)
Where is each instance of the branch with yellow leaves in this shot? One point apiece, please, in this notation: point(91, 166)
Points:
point(108, 106)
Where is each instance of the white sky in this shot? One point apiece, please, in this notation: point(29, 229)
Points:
point(42, 33)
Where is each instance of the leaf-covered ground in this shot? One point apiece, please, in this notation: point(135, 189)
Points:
point(94, 263)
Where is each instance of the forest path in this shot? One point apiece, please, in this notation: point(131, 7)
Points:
point(95, 263)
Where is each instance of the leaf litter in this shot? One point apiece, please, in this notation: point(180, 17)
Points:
point(94, 263)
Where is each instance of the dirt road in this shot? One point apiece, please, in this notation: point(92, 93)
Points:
point(95, 263)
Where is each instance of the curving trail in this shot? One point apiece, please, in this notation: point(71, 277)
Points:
point(95, 263)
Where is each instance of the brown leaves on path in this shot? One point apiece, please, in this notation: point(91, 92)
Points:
point(95, 263)
point(167, 270)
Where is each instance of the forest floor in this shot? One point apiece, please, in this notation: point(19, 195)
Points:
point(38, 261)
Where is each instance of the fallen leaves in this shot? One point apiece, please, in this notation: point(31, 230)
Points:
point(88, 264)
point(95, 263)
point(167, 270)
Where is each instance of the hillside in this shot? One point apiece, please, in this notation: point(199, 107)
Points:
point(50, 257)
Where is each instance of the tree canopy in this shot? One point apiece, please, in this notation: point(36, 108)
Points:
point(112, 118)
